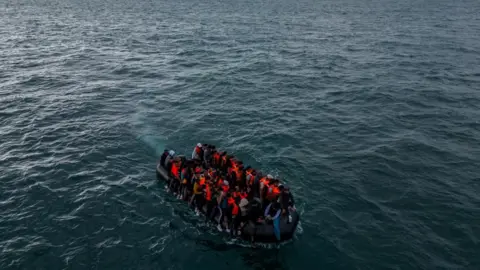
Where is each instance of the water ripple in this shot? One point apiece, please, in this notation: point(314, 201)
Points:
point(370, 113)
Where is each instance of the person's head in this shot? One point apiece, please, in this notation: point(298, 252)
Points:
point(199, 145)
point(269, 177)
point(171, 153)
point(281, 187)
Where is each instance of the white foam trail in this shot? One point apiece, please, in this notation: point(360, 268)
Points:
point(143, 131)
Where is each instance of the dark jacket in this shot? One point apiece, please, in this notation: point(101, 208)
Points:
point(163, 157)
point(286, 200)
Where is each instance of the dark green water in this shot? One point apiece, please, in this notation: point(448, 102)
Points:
point(369, 109)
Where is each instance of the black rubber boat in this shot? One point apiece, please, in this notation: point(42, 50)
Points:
point(263, 233)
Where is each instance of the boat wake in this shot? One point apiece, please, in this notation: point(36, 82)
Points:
point(146, 133)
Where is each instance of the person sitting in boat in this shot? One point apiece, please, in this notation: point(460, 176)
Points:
point(231, 178)
point(264, 186)
point(207, 155)
point(233, 215)
point(286, 201)
point(209, 198)
point(216, 159)
point(198, 195)
point(249, 176)
point(163, 157)
point(175, 168)
point(239, 194)
point(243, 206)
point(185, 177)
point(225, 162)
point(254, 215)
point(197, 152)
point(272, 211)
point(167, 159)
point(240, 175)
point(223, 204)
point(255, 187)
point(273, 190)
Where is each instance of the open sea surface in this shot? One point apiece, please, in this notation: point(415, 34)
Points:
point(369, 109)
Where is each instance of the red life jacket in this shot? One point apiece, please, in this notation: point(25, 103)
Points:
point(202, 180)
point(232, 203)
point(265, 181)
point(208, 193)
point(216, 158)
point(235, 209)
point(174, 170)
point(239, 173)
point(273, 192)
point(219, 182)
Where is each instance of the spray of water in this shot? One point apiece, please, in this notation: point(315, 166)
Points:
point(144, 131)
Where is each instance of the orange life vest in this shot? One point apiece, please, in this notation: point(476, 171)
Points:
point(235, 209)
point(273, 192)
point(208, 193)
point(265, 181)
point(234, 164)
point(216, 158)
point(239, 173)
point(231, 202)
point(174, 170)
point(202, 180)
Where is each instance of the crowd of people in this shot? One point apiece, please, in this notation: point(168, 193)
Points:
point(219, 184)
